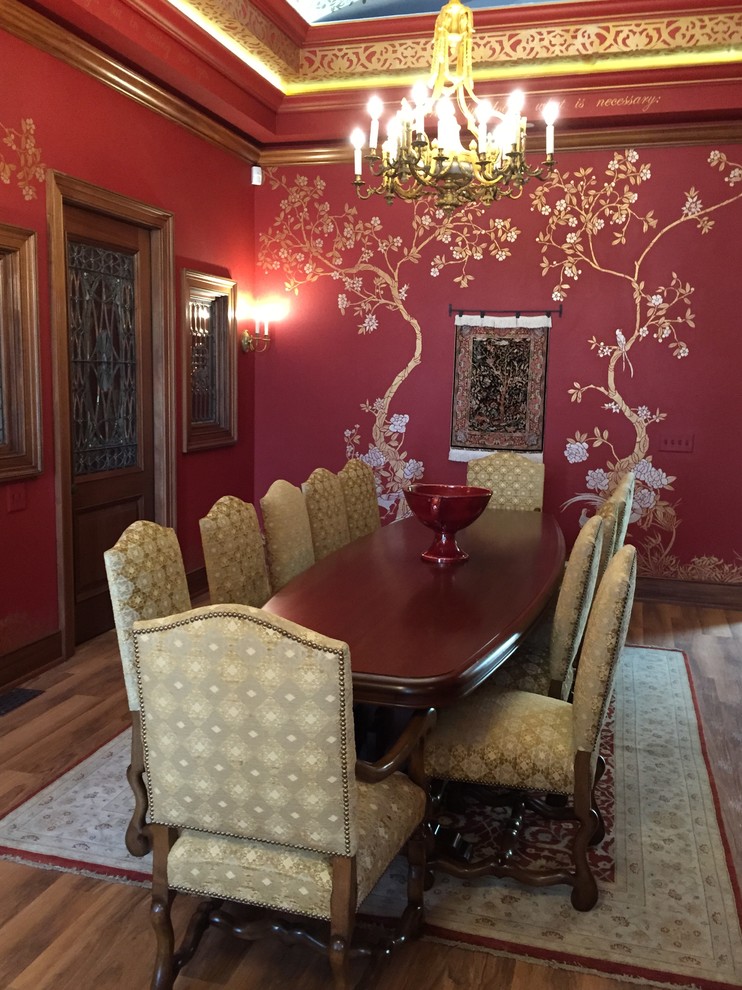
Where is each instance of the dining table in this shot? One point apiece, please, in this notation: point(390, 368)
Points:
point(420, 634)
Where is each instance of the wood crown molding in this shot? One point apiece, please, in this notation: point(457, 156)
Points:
point(39, 32)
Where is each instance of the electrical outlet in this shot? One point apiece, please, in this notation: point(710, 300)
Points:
point(678, 444)
point(16, 497)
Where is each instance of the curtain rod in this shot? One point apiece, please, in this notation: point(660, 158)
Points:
point(490, 312)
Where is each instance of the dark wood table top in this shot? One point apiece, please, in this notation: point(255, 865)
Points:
point(421, 634)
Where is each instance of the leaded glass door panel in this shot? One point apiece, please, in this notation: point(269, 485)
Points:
point(109, 342)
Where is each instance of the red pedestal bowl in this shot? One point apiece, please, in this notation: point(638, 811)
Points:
point(446, 509)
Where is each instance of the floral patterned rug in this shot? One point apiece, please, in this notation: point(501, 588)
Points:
point(668, 912)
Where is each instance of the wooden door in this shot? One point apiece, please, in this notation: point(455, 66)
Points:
point(109, 345)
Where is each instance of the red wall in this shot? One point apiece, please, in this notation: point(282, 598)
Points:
point(312, 384)
point(87, 130)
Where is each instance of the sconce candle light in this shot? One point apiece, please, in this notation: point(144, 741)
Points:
point(264, 313)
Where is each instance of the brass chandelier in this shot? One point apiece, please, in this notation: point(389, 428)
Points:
point(412, 164)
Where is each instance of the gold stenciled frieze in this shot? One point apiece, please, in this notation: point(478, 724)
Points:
point(703, 34)
point(700, 38)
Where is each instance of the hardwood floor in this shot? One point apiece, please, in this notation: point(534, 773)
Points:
point(59, 931)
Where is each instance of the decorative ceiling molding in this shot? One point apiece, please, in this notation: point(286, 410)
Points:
point(545, 46)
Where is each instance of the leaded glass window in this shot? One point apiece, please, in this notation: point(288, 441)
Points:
point(103, 359)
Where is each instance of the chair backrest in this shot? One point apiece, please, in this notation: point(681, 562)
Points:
point(623, 496)
point(234, 554)
point(609, 513)
point(146, 580)
point(361, 503)
point(288, 538)
point(573, 604)
point(601, 648)
point(247, 728)
point(328, 518)
point(515, 481)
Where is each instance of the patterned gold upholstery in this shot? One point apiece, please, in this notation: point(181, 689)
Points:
point(361, 503)
point(543, 745)
point(515, 482)
point(609, 513)
point(234, 554)
point(623, 496)
point(146, 580)
point(546, 659)
point(247, 732)
point(328, 518)
point(288, 536)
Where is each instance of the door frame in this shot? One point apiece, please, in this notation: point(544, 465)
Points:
point(64, 190)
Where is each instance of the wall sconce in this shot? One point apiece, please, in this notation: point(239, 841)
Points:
point(264, 313)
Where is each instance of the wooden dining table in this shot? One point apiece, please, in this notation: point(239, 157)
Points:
point(422, 634)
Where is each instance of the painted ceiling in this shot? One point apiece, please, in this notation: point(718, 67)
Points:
point(327, 11)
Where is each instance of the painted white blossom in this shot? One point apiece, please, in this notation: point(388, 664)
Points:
point(734, 176)
point(403, 290)
point(342, 302)
point(692, 205)
point(445, 236)
point(612, 406)
point(557, 295)
point(643, 413)
point(500, 255)
point(545, 210)
point(308, 268)
point(643, 499)
point(643, 331)
point(656, 299)
point(715, 157)
point(632, 155)
point(576, 452)
point(398, 422)
point(682, 351)
point(414, 469)
point(374, 458)
point(597, 480)
point(651, 476)
point(645, 172)
point(434, 272)
point(370, 323)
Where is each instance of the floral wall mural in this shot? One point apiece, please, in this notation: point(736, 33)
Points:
point(628, 257)
point(21, 163)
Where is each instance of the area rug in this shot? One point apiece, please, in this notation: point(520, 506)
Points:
point(669, 909)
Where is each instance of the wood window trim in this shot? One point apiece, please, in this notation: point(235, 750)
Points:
point(20, 455)
point(222, 431)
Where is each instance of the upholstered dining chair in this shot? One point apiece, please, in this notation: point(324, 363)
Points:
point(515, 482)
point(234, 554)
point(361, 502)
point(328, 517)
point(255, 795)
point(146, 579)
point(620, 499)
point(542, 747)
point(545, 662)
point(288, 537)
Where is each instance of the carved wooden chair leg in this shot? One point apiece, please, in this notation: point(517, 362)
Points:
point(342, 918)
point(137, 839)
point(599, 833)
point(162, 899)
point(585, 889)
point(414, 915)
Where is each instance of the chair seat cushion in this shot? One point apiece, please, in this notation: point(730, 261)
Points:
point(505, 739)
point(527, 670)
point(298, 880)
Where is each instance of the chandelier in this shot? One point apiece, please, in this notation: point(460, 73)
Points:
point(411, 164)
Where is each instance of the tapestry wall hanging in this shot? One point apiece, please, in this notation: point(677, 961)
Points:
point(499, 384)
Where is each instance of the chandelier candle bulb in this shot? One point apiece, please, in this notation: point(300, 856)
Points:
point(375, 109)
point(551, 112)
point(357, 139)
